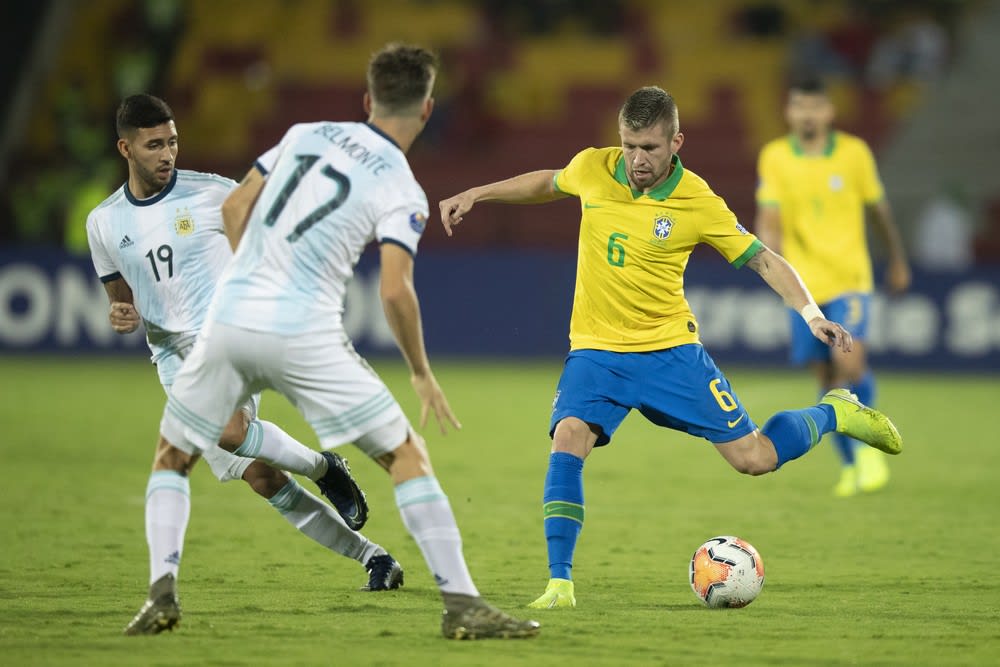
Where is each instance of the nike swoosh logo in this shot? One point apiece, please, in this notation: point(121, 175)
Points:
point(592, 206)
point(732, 424)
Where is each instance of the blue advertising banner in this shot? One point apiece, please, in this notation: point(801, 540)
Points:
point(51, 301)
point(517, 303)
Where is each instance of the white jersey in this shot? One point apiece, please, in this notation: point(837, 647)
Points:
point(171, 249)
point(331, 189)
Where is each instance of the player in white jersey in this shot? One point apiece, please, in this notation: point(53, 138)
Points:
point(299, 221)
point(159, 247)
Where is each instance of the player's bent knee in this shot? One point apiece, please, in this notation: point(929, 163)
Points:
point(381, 442)
point(574, 436)
point(752, 463)
point(235, 431)
point(409, 460)
point(168, 457)
point(748, 456)
point(264, 480)
point(413, 449)
point(758, 462)
point(754, 468)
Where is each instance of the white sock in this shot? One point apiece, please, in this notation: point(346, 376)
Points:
point(427, 515)
point(318, 520)
point(268, 443)
point(168, 506)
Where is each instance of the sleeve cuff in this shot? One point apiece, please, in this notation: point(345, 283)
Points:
point(555, 181)
point(754, 248)
point(392, 241)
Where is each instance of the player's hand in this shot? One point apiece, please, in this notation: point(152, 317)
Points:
point(454, 208)
point(124, 317)
point(831, 333)
point(897, 277)
point(433, 398)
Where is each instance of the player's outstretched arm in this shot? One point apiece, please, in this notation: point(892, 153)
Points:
point(534, 187)
point(785, 281)
point(402, 311)
point(123, 316)
point(237, 206)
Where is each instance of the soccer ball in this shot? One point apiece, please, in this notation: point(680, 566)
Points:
point(726, 572)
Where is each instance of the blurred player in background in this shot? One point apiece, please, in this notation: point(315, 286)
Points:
point(814, 187)
point(159, 248)
point(633, 338)
point(299, 222)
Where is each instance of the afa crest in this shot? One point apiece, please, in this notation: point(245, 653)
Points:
point(184, 223)
point(661, 227)
point(417, 222)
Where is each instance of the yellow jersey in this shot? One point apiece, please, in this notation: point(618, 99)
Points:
point(634, 248)
point(821, 201)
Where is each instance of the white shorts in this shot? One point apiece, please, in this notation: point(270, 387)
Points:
point(226, 466)
point(336, 391)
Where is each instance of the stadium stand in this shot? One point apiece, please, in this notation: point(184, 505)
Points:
point(518, 90)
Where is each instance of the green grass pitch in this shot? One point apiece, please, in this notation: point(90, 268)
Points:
point(906, 576)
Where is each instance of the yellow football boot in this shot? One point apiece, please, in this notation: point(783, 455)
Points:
point(558, 595)
point(860, 422)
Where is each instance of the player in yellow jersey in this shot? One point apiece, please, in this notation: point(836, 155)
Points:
point(633, 339)
point(814, 186)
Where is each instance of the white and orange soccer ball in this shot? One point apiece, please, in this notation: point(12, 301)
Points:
point(726, 572)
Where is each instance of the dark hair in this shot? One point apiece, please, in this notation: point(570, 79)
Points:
point(400, 76)
point(810, 84)
point(141, 110)
point(647, 107)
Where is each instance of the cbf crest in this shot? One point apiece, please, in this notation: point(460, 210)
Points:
point(184, 222)
point(662, 225)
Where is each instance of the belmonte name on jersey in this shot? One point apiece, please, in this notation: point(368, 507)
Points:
point(331, 189)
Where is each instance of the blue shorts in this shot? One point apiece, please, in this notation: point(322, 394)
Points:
point(680, 388)
point(851, 311)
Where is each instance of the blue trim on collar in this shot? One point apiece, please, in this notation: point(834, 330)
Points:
point(385, 136)
point(155, 198)
point(259, 167)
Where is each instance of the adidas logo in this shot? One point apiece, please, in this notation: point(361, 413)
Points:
point(175, 557)
point(441, 581)
point(126, 243)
